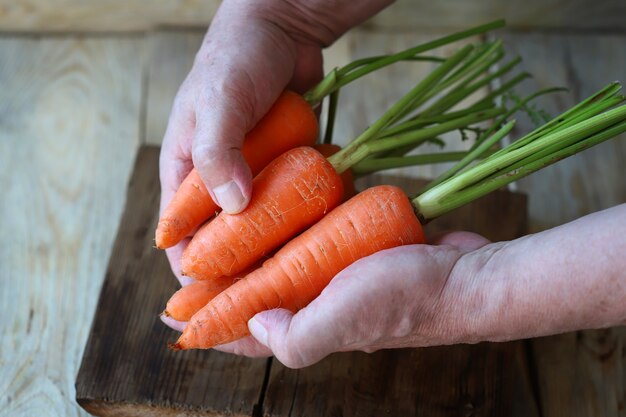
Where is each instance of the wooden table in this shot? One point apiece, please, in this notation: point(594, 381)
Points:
point(74, 111)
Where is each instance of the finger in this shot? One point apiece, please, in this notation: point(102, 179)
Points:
point(179, 326)
point(248, 346)
point(175, 157)
point(467, 241)
point(243, 80)
point(174, 255)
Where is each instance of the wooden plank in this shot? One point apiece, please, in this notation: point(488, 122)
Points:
point(582, 373)
point(485, 379)
point(445, 381)
point(171, 57)
point(69, 130)
point(137, 15)
point(127, 368)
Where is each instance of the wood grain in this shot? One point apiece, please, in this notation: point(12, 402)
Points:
point(582, 373)
point(139, 15)
point(170, 59)
point(127, 367)
point(69, 130)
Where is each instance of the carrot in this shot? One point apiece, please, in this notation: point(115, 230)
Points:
point(291, 193)
point(383, 217)
point(375, 219)
point(189, 299)
point(289, 123)
point(329, 149)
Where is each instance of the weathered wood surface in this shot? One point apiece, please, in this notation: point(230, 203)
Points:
point(69, 130)
point(127, 368)
point(139, 15)
point(582, 373)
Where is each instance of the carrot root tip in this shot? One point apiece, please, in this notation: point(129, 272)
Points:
point(175, 346)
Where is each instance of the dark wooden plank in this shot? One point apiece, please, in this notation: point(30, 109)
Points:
point(486, 379)
point(126, 368)
point(581, 373)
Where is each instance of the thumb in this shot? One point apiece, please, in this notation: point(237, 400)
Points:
point(221, 124)
point(293, 340)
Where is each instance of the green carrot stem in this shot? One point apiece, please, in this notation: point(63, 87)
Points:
point(591, 109)
point(317, 93)
point(486, 141)
point(432, 203)
point(369, 165)
point(369, 60)
point(344, 160)
point(332, 111)
point(463, 197)
point(458, 94)
point(421, 88)
point(473, 66)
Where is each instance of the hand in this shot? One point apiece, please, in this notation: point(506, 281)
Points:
point(252, 51)
point(394, 298)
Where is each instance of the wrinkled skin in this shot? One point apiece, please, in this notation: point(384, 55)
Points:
point(459, 289)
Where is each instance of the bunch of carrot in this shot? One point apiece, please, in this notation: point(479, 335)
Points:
point(383, 217)
point(210, 255)
point(301, 190)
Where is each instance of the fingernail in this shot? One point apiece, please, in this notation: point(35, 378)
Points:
point(229, 197)
point(258, 331)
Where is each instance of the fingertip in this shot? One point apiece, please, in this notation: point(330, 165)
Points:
point(179, 326)
point(230, 197)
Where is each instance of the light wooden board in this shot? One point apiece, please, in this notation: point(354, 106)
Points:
point(583, 373)
point(69, 130)
point(171, 55)
point(138, 15)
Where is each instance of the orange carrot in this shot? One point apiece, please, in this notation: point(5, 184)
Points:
point(289, 123)
point(189, 299)
point(328, 149)
point(378, 218)
point(291, 193)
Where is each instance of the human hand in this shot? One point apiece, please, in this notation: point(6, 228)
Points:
point(251, 53)
point(395, 298)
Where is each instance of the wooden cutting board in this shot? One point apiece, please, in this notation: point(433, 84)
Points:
point(127, 369)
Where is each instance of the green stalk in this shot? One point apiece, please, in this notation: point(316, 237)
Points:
point(342, 157)
point(485, 141)
point(344, 160)
point(367, 166)
point(317, 93)
point(457, 95)
point(466, 196)
point(506, 163)
point(370, 60)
